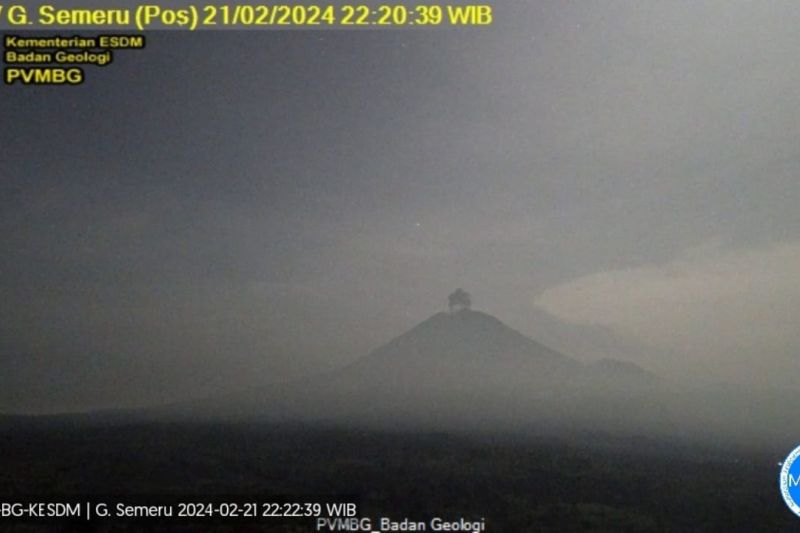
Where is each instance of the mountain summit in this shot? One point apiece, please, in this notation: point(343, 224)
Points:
point(465, 335)
point(456, 350)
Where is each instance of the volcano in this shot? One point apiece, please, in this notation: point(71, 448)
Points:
point(463, 368)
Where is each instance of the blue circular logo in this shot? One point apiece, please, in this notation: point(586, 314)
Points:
point(790, 481)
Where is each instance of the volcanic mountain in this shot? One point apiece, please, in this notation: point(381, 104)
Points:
point(466, 370)
point(463, 368)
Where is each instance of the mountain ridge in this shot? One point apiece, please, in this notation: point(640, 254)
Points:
point(462, 367)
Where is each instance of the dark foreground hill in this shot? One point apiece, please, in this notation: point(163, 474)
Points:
point(515, 483)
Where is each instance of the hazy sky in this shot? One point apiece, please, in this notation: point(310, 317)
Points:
point(231, 208)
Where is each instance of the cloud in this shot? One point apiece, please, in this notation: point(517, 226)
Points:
point(733, 308)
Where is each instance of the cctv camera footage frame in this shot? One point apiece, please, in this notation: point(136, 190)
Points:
point(400, 266)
